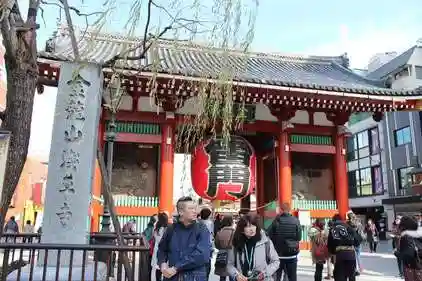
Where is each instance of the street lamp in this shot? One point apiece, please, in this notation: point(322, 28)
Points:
point(113, 97)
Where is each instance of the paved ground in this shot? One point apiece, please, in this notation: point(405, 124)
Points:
point(381, 266)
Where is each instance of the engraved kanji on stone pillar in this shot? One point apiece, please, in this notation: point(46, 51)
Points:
point(72, 158)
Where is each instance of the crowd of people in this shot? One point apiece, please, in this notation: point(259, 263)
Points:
point(245, 251)
point(183, 250)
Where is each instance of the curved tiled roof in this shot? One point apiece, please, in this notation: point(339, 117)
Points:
point(184, 58)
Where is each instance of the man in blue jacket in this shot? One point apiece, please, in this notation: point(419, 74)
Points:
point(185, 249)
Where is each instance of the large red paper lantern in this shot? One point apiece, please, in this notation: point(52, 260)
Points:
point(224, 172)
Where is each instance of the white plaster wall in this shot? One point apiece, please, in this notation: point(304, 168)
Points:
point(320, 119)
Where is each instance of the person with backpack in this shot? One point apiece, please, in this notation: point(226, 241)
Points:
point(223, 242)
point(185, 248)
point(254, 256)
point(342, 241)
point(319, 250)
point(160, 228)
point(355, 223)
point(410, 248)
point(286, 232)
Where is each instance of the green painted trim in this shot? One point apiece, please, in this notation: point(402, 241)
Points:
point(134, 201)
point(136, 128)
point(311, 139)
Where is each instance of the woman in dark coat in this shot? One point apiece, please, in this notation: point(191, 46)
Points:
point(410, 247)
point(372, 236)
point(395, 235)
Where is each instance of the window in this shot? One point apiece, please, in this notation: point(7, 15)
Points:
point(363, 139)
point(365, 182)
point(418, 72)
point(374, 141)
point(376, 180)
point(403, 178)
point(352, 148)
point(353, 179)
point(362, 144)
point(403, 73)
point(402, 136)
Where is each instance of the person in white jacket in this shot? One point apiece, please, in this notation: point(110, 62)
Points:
point(160, 228)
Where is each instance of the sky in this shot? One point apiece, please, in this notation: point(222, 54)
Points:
point(360, 28)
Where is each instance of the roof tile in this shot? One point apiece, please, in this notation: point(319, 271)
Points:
point(173, 57)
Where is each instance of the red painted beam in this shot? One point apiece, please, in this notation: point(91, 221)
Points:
point(137, 138)
point(312, 148)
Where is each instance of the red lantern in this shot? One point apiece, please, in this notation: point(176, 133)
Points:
point(224, 172)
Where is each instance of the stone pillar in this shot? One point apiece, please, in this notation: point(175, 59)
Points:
point(72, 159)
point(285, 171)
point(166, 169)
point(341, 185)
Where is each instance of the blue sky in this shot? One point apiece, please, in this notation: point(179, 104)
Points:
point(360, 28)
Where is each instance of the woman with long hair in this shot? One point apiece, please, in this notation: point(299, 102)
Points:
point(254, 256)
point(160, 228)
point(223, 242)
point(372, 236)
point(319, 250)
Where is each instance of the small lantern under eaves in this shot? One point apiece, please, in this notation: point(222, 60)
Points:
point(416, 180)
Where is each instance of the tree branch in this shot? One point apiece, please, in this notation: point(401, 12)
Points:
point(71, 29)
point(145, 49)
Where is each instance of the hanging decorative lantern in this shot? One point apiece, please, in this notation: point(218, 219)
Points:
point(224, 172)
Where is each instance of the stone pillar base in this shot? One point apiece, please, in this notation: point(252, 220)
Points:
point(50, 275)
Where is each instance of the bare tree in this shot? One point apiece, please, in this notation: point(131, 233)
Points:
point(219, 23)
point(19, 39)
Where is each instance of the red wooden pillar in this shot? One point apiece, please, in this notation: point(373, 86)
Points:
point(96, 207)
point(285, 172)
point(341, 185)
point(260, 189)
point(167, 169)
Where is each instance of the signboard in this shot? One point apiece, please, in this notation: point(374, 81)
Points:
point(305, 217)
point(224, 172)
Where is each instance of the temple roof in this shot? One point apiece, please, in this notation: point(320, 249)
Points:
point(187, 59)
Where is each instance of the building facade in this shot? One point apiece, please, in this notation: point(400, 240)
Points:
point(366, 167)
point(402, 131)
